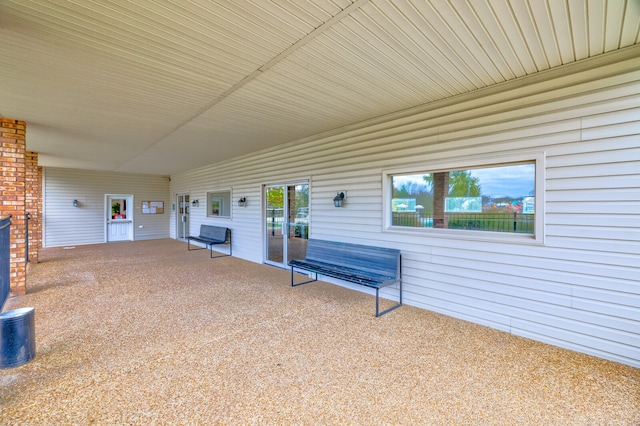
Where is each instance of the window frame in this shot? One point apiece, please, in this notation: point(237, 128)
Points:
point(462, 163)
point(216, 193)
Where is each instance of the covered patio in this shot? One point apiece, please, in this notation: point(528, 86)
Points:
point(148, 333)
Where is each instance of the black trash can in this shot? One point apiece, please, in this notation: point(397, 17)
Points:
point(17, 337)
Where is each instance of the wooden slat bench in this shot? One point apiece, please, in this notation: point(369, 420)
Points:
point(374, 267)
point(211, 236)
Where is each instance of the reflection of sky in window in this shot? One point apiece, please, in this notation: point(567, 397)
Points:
point(502, 181)
point(514, 181)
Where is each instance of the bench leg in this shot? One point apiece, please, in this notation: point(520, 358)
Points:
point(220, 255)
point(378, 313)
point(304, 282)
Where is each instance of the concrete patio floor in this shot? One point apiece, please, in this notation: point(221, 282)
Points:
point(149, 333)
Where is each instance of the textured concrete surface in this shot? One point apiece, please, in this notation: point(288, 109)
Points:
point(148, 333)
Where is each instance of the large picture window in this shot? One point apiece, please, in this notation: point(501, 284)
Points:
point(496, 198)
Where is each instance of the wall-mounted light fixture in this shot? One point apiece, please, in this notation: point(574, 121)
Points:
point(242, 202)
point(195, 203)
point(75, 203)
point(338, 199)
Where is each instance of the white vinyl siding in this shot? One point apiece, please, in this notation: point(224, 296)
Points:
point(67, 225)
point(578, 290)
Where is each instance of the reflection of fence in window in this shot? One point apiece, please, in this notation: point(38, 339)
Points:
point(275, 215)
point(497, 222)
point(275, 218)
point(413, 219)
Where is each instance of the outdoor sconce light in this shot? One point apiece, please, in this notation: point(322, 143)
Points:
point(195, 203)
point(242, 202)
point(338, 199)
point(75, 203)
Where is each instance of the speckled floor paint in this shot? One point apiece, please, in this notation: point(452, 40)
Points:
point(147, 333)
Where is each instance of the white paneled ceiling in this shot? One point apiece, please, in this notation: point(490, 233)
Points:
point(167, 85)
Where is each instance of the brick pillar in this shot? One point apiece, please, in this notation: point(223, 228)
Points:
point(440, 193)
point(33, 186)
point(12, 197)
point(291, 210)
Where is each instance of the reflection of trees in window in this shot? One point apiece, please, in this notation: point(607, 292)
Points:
point(455, 199)
point(302, 196)
point(275, 197)
point(462, 184)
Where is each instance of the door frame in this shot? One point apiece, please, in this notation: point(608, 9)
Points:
point(265, 245)
point(187, 196)
point(107, 213)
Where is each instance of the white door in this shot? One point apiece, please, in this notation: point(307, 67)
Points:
point(119, 213)
point(182, 216)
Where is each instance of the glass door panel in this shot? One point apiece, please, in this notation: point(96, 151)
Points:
point(287, 222)
point(298, 197)
point(274, 196)
point(182, 216)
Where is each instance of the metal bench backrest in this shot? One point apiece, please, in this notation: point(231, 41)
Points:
point(217, 233)
point(376, 260)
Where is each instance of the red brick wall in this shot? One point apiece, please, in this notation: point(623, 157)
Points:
point(440, 192)
point(33, 186)
point(13, 198)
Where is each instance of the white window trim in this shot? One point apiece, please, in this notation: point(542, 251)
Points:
point(461, 163)
point(214, 191)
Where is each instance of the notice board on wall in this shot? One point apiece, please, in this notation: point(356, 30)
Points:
point(152, 207)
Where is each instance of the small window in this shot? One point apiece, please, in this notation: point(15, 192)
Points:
point(219, 204)
point(493, 198)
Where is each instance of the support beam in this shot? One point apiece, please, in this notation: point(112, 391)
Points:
point(13, 197)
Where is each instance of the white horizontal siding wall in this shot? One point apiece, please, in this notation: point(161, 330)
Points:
point(67, 225)
point(578, 290)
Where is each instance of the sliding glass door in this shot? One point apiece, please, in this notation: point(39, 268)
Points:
point(182, 217)
point(286, 222)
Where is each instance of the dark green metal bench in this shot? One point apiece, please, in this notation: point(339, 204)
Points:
point(374, 267)
point(211, 236)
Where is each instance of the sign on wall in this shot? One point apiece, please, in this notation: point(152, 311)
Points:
point(152, 207)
